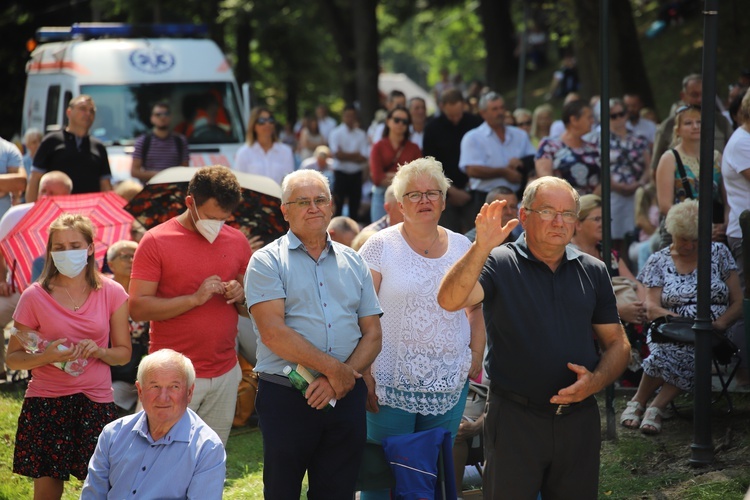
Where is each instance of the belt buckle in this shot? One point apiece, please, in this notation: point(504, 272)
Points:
point(560, 409)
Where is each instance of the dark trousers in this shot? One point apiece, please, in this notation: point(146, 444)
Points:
point(529, 451)
point(347, 187)
point(328, 445)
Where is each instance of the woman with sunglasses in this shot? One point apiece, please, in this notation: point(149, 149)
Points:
point(678, 171)
point(393, 150)
point(419, 380)
point(264, 153)
point(629, 157)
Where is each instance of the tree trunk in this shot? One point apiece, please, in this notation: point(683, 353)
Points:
point(586, 45)
point(292, 97)
point(340, 22)
point(629, 67)
point(243, 35)
point(499, 40)
point(366, 55)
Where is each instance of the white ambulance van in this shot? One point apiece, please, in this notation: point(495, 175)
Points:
point(126, 72)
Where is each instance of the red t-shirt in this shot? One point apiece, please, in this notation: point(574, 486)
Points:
point(179, 260)
point(382, 158)
point(43, 314)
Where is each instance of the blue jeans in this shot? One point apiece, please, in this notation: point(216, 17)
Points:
point(376, 204)
point(390, 421)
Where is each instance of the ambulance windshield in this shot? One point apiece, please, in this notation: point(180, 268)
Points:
point(205, 112)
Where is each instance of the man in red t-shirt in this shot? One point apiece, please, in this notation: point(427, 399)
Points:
point(187, 279)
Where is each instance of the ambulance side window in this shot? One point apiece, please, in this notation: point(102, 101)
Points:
point(51, 115)
point(66, 100)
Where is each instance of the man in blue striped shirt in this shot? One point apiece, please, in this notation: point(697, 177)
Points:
point(161, 148)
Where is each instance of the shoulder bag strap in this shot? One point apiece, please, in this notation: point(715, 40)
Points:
point(683, 175)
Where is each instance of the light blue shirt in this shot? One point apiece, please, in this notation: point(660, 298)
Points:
point(323, 300)
point(483, 147)
point(10, 156)
point(188, 462)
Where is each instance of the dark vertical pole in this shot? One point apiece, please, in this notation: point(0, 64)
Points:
point(606, 207)
point(702, 449)
point(522, 56)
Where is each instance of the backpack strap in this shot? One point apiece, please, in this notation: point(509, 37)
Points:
point(683, 174)
point(144, 151)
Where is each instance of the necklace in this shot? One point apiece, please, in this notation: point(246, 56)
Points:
point(426, 250)
point(76, 307)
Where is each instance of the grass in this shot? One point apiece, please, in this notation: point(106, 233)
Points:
point(633, 467)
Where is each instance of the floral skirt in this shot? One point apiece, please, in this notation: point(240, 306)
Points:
point(56, 437)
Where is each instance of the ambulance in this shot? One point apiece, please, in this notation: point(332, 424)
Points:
point(127, 69)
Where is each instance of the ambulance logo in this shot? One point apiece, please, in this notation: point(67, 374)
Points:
point(152, 60)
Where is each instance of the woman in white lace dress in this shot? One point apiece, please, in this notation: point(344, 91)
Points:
point(420, 379)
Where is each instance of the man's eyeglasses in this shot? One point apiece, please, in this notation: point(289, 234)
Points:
point(304, 203)
point(524, 124)
point(402, 121)
point(431, 195)
point(549, 215)
point(161, 114)
point(682, 109)
point(615, 116)
point(265, 119)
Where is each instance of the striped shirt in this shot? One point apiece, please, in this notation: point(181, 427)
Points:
point(162, 153)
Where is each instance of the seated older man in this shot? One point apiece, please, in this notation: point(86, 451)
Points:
point(163, 451)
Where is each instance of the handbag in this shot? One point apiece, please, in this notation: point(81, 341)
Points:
point(246, 393)
point(679, 330)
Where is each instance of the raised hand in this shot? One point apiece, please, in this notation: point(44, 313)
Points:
point(490, 231)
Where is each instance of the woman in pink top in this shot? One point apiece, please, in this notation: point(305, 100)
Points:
point(66, 323)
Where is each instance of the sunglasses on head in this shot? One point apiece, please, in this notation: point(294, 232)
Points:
point(615, 116)
point(403, 121)
point(263, 120)
point(682, 109)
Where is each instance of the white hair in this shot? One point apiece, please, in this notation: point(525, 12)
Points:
point(167, 358)
point(297, 177)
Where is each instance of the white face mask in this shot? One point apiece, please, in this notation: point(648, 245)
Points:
point(70, 263)
point(210, 229)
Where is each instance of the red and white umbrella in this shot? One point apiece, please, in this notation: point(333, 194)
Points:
point(28, 239)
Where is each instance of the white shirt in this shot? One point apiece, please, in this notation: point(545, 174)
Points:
point(417, 137)
point(556, 129)
point(735, 160)
point(348, 141)
point(482, 147)
point(644, 127)
point(276, 163)
point(326, 126)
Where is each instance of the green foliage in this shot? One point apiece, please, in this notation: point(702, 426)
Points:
point(450, 38)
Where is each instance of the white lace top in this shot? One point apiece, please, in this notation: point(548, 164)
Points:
point(425, 359)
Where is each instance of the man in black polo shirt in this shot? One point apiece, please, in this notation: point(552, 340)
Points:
point(442, 141)
point(544, 303)
point(72, 151)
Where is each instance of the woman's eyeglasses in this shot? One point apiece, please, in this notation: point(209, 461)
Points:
point(402, 121)
point(265, 119)
point(431, 195)
point(616, 116)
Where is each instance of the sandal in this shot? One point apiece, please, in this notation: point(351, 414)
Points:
point(649, 419)
point(631, 414)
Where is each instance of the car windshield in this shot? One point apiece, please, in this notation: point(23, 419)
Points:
point(205, 112)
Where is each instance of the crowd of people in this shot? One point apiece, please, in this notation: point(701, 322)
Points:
point(423, 252)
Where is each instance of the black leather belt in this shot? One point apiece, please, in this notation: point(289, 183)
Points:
point(275, 379)
point(550, 408)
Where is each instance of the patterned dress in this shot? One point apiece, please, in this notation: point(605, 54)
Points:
point(579, 166)
point(675, 362)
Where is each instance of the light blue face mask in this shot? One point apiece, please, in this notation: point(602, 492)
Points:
point(70, 263)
